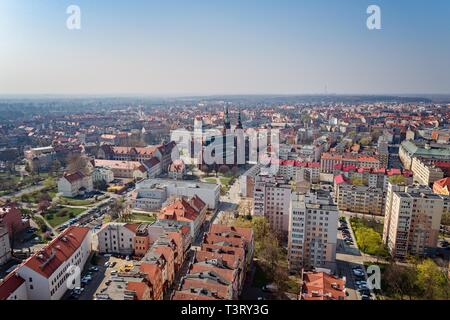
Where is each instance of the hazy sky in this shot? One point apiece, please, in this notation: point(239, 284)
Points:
point(224, 47)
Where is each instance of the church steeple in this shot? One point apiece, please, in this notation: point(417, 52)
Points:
point(239, 123)
point(227, 124)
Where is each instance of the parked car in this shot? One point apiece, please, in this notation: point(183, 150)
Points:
point(106, 264)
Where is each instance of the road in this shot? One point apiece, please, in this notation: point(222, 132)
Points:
point(347, 257)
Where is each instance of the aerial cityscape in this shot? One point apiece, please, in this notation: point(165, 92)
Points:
point(131, 187)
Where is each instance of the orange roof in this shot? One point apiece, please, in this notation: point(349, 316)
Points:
point(188, 295)
point(179, 210)
point(10, 284)
point(443, 182)
point(138, 288)
point(220, 229)
point(322, 286)
point(60, 249)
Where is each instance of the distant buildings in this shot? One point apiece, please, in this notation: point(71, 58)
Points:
point(74, 184)
point(150, 194)
point(44, 275)
point(123, 169)
point(140, 154)
point(412, 221)
point(40, 159)
point(312, 231)
point(329, 161)
point(177, 170)
point(410, 149)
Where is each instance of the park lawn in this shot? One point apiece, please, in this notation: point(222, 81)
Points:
point(225, 181)
point(139, 217)
point(210, 180)
point(76, 202)
point(57, 220)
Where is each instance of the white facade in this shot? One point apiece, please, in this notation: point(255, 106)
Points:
point(40, 287)
point(272, 196)
point(102, 174)
point(312, 231)
point(73, 189)
point(115, 238)
point(208, 192)
point(5, 248)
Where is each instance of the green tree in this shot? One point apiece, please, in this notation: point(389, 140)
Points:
point(432, 281)
point(397, 179)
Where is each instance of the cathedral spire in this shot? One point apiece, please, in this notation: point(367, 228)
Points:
point(239, 123)
point(227, 124)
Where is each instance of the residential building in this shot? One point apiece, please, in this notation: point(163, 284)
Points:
point(413, 223)
point(322, 286)
point(5, 248)
point(271, 198)
point(124, 169)
point(44, 275)
point(40, 159)
point(102, 174)
point(191, 211)
point(74, 184)
point(117, 238)
point(328, 161)
point(219, 267)
point(177, 170)
point(11, 218)
point(312, 231)
point(425, 172)
point(359, 199)
point(410, 149)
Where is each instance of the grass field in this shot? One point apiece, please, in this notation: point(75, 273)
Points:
point(56, 217)
point(140, 217)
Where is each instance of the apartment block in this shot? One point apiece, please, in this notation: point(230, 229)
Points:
point(312, 231)
point(358, 199)
point(413, 223)
point(271, 198)
point(425, 172)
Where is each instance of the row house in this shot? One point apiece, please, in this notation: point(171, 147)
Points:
point(219, 267)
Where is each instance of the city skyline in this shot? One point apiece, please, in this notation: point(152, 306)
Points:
point(223, 48)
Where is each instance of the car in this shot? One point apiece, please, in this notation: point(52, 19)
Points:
point(363, 287)
point(360, 282)
point(106, 264)
point(93, 269)
point(108, 282)
point(127, 258)
point(359, 273)
point(112, 264)
point(269, 288)
point(357, 268)
point(366, 297)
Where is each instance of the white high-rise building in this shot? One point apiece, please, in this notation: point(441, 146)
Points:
point(312, 231)
point(271, 198)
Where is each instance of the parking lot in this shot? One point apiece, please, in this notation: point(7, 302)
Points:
point(349, 263)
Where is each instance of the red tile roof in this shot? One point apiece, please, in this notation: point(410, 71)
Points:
point(10, 284)
point(60, 249)
point(322, 286)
